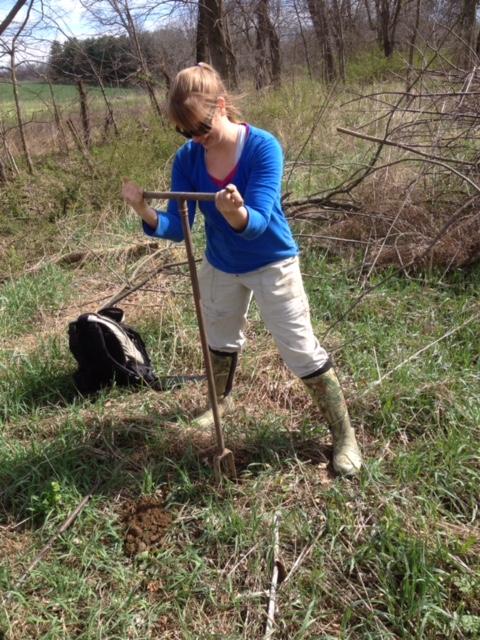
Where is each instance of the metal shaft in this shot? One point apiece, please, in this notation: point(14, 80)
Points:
point(178, 195)
point(212, 394)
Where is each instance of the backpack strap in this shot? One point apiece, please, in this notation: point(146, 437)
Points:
point(122, 336)
point(117, 333)
point(114, 313)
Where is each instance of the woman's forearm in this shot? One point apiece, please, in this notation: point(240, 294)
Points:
point(238, 218)
point(148, 214)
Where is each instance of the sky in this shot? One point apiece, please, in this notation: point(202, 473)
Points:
point(71, 20)
point(70, 16)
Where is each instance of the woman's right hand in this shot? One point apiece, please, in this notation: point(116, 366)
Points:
point(132, 194)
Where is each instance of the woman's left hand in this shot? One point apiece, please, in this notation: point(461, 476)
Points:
point(228, 200)
point(230, 204)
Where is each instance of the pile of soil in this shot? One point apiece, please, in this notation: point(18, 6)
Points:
point(146, 523)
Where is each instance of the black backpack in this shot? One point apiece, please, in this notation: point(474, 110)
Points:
point(107, 351)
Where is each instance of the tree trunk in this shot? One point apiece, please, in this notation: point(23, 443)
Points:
point(267, 48)
point(383, 17)
point(110, 118)
point(411, 46)
point(394, 21)
point(469, 27)
point(202, 54)
point(369, 15)
point(9, 159)
point(232, 75)
point(319, 17)
point(58, 119)
point(21, 126)
point(275, 60)
point(388, 12)
point(339, 38)
point(261, 72)
point(213, 35)
point(84, 117)
point(3, 172)
point(304, 42)
point(79, 143)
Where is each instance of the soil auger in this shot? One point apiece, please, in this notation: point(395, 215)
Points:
point(223, 459)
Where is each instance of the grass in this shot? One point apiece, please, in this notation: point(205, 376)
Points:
point(390, 555)
point(24, 301)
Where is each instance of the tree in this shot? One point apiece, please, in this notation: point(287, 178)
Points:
point(321, 24)
point(469, 32)
point(118, 13)
point(213, 40)
point(267, 48)
point(388, 12)
point(11, 50)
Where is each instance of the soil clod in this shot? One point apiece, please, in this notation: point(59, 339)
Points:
point(146, 523)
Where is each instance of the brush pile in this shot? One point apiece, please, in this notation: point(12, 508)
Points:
point(414, 200)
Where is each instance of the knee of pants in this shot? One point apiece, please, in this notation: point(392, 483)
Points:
point(224, 332)
point(303, 360)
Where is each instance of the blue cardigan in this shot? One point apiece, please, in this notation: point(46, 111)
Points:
point(258, 176)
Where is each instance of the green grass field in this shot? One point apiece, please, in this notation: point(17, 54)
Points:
point(393, 554)
point(36, 100)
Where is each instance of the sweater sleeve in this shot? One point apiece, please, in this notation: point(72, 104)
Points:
point(263, 188)
point(169, 223)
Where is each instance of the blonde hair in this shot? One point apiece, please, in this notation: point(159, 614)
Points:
point(194, 94)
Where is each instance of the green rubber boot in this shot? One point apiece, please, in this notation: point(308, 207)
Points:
point(224, 365)
point(327, 393)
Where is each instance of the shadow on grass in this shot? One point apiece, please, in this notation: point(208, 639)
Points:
point(125, 454)
point(25, 393)
point(28, 388)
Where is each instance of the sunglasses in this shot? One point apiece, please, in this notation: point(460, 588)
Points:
point(202, 130)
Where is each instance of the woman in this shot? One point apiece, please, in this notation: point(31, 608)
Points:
point(249, 246)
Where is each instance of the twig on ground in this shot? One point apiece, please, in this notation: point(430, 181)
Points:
point(244, 557)
point(277, 570)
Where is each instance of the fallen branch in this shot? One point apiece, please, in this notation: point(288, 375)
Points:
point(75, 257)
point(132, 250)
point(320, 237)
point(416, 354)
point(400, 145)
point(67, 523)
point(303, 556)
point(438, 160)
point(129, 289)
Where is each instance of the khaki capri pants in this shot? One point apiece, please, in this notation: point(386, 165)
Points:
point(281, 299)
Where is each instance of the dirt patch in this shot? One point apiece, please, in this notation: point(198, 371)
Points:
point(14, 544)
point(146, 523)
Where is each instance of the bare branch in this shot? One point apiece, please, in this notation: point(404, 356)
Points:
point(11, 15)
